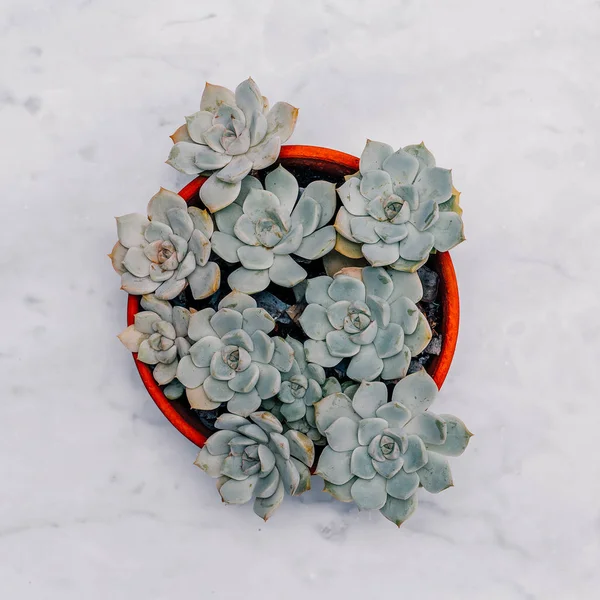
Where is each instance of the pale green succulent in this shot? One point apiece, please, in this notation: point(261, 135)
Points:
point(167, 250)
point(233, 361)
point(399, 206)
point(232, 134)
point(380, 452)
point(374, 320)
point(263, 227)
point(254, 459)
point(159, 336)
point(303, 385)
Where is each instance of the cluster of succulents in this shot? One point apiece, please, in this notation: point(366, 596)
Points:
point(329, 383)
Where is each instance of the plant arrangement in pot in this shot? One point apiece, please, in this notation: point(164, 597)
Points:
point(294, 310)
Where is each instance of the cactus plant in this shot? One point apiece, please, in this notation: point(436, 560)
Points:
point(303, 385)
point(380, 452)
point(255, 459)
point(167, 250)
point(232, 134)
point(233, 361)
point(399, 206)
point(264, 226)
point(159, 336)
point(371, 317)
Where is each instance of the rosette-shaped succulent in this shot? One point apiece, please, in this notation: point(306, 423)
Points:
point(232, 134)
point(373, 319)
point(263, 227)
point(167, 250)
point(399, 207)
point(254, 459)
point(303, 385)
point(234, 360)
point(159, 336)
point(379, 452)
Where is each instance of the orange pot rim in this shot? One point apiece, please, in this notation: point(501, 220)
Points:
point(448, 291)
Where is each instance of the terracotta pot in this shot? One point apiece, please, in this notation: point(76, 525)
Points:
point(336, 164)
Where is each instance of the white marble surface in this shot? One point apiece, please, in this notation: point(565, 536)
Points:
point(99, 498)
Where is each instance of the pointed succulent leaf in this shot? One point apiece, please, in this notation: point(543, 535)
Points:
point(354, 202)
point(340, 492)
point(317, 291)
point(398, 511)
point(197, 124)
point(238, 492)
point(199, 400)
point(235, 170)
point(323, 192)
point(378, 282)
point(230, 422)
point(368, 398)
point(389, 467)
point(334, 466)
point(340, 344)
point(301, 447)
point(361, 464)
point(405, 313)
point(263, 347)
point(422, 154)
point(416, 392)
point(244, 404)
point(306, 214)
point(416, 455)
point(181, 135)
point(204, 280)
point(210, 463)
point(265, 153)
point(376, 184)
point(267, 421)
point(286, 272)
point(265, 507)
point(457, 437)
point(380, 253)
point(370, 428)
point(217, 194)
point(189, 374)
point(130, 230)
point(131, 337)
point(138, 285)
point(163, 201)
point(426, 215)
point(281, 121)
point(317, 244)
point(448, 231)
point(345, 287)
point(253, 431)
point(402, 166)
point(416, 245)
point(417, 341)
point(283, 357)
point(160, 307)
point(284, 185)
point(226, 320)
point(363, 229)
point(315, 322)
point(369, 494)
point(366, 365)
point(218, 443)
point(331, 408)
point(247, 281)
point(429, 427)
point(342, 434)
point(136, 263)
point(237, 301)
point(255, 319)
point(435, 476)
point(199, 325)
point(216, 390)
point(215, 96)
point(318, 352)
point(244, 381)
point(396, 414)
point(343, 225)
point(434, 183)
point(269, 381)
point(374, 155)
point(267, 484)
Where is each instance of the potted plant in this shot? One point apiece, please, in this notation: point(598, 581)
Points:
point(294, 304)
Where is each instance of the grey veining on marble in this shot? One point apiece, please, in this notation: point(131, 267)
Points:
point(99, 497)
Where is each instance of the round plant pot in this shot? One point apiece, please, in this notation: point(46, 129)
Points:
point(329, 164)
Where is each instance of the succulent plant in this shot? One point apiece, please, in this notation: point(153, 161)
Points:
point(303, 385)
point(380, 452)
point(167, 250)
point(370, 316)
point(159, 336)
point(234, 360)
point(399, 206)
point(263, 227)
point(232, 134)
point(254, 459)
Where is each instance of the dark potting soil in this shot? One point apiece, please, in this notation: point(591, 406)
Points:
point(281, 303)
